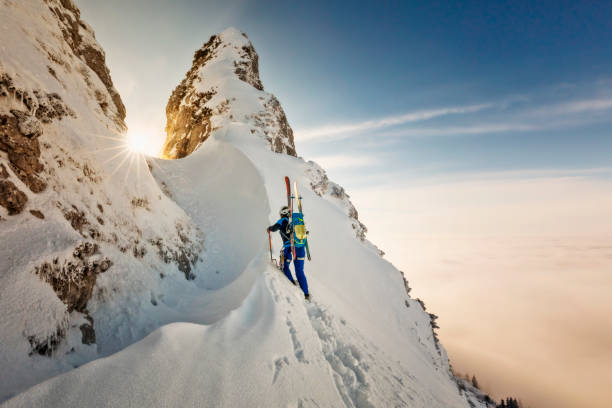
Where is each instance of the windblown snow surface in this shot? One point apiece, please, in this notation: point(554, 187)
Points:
point(239, 333)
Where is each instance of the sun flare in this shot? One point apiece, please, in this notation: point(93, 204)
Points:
point(142, 142)
point(137, 142)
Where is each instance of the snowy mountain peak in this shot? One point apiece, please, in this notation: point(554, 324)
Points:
point(223, 86)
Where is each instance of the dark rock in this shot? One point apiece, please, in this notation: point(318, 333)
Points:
point(282, 141)
point(76, 218)
point(50, 107)
point(185, 256)
point(3, 173)
point(141, 202)
point(11, 198)
point(73, 279)
point(247, 69)
point(37, 214)
point(139, 252)
point(46, 346)
point(85, 250)
point(88, 334)
point(52, 72)
point(23, 153)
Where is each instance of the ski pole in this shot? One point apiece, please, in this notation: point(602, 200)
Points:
point(270, 241)
point(307, 250)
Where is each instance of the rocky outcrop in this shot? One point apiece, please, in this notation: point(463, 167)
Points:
point(187, 116)
point(11, 198)
point(23, 151)
point(204, 100)
point(273, 123)
point(81, 39)
point(247, 67)
point(322, 186)
point(73, 279)
point(45, 346)
point(19, 133)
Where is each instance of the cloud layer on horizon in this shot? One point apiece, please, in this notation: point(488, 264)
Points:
point(528, 253)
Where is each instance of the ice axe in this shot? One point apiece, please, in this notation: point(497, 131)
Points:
point(270, 242)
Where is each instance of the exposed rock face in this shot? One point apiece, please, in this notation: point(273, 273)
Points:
point(73, 279)
point(11, 198)
point(38, 214)
point(23, 152)
point(81, 39)
point(19, 133)
point(273, 122)
point(188, 117)
point(247, 68)
point(88, 334)
point(206, 98)
point(321, 185)
point(185, 257)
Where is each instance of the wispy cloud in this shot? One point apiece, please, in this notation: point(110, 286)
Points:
point(343, 130)
point(557, 116)
point(578, 106)
point(465, 130)
point(527, 118)
point(341, 161)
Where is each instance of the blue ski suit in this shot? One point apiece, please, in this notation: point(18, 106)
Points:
point(285, 229)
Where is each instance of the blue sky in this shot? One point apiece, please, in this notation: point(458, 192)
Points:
point(335, 63)
point(443, 120)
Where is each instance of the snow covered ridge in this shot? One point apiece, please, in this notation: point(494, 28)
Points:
point(88, 238)
point(223, 86)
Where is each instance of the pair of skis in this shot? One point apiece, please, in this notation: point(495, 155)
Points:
point(297, 218)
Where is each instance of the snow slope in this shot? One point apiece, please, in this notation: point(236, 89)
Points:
point(235, 332)
point(85, 230)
